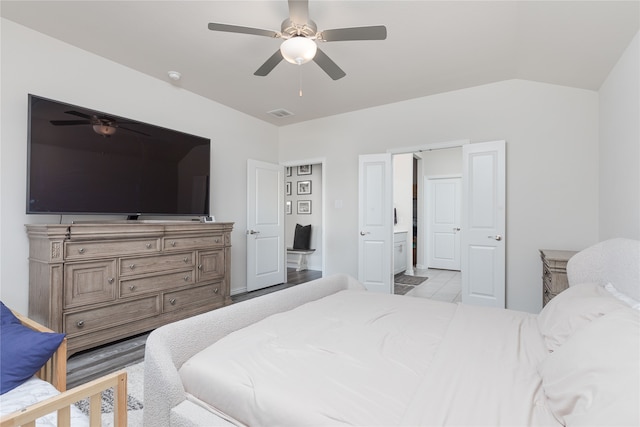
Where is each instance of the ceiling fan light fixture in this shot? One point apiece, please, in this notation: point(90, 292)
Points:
point(298, 50)
point(104, 130)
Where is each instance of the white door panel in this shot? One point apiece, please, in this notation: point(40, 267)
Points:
point(375, 248)
point(443, 213)
point(265, 225)
point(483, 224)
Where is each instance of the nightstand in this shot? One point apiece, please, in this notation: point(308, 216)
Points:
point(554, 272)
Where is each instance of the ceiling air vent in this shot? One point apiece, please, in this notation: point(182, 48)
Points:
point(280, 113)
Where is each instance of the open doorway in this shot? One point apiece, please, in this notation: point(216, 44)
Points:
point(427, 200)
point(303, 222)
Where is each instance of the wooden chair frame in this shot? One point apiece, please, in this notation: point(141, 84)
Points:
point(55, 372)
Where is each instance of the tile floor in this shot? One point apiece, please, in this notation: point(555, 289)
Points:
point(441, 285)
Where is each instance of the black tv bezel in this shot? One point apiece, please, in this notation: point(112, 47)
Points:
point(129, 215)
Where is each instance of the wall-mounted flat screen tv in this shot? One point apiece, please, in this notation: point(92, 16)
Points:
point(82, 161)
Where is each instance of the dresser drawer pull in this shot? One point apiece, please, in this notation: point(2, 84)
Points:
point(81, 250)
point(217, 240)
point(173, 243)
point(200, 267)
point(148, 245)
point(215, 291)
point(186, 278)
point(186, 260)
point(110, 280)
point(172, 301)
point(132, 266)
point(132, 287)
point(80, 323)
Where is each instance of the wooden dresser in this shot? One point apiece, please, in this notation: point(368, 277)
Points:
point(101, 282)
point(554, 273)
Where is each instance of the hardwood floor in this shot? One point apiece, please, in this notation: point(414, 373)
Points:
point(293, 278)
point(91, 364)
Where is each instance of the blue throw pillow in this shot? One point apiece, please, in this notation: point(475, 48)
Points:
point(6, 316)
point(23, 351)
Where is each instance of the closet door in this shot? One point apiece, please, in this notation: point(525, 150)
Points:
point(375, 246)
point(483, 224)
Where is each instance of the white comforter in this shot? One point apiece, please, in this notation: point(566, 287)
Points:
point(35, 390)
point(360, 358)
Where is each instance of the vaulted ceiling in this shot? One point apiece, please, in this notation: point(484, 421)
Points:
point(431, 47)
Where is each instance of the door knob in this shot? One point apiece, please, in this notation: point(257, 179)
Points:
point(456, 228)
point(497, 237)
point(364, 233)
point(253, 232)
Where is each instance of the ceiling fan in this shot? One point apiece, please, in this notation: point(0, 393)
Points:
point(105, 126)
point(299, 34)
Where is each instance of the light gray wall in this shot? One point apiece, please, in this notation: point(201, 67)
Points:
point(34, 63)
point(403, 191)
point(552, 153)
point(620, 148)
point(552, 166)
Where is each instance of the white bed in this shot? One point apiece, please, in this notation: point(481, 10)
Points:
point(330, 353)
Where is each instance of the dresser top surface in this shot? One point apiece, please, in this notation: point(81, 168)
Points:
point(557, 255)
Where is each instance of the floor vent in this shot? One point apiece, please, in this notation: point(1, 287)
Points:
point(280, 113)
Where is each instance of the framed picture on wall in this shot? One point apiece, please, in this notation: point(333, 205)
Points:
point(304, 170)
point(304, 207)
point(288, 171)
point(304, 187)
point(287, 207)
point(287, 188)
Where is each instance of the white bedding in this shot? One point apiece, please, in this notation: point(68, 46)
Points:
point(35, 390)
point(426, 363)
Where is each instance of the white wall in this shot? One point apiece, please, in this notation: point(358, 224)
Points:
point(552, 166)
point(403, 191)
point(34, 63)
point(442, 162)
point(620, 147)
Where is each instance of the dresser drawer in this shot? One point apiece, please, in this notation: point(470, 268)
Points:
point(211, 265)
point(194, 297)
point(192, 242)
point(155, 263)
point(89, 282)
point(556, 282)
point(106, 317)
point(99, 249)
point(156, 283)
point(546, 296)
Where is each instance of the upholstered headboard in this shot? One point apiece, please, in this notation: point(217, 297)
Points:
point(615, 261)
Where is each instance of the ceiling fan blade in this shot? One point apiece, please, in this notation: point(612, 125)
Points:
point(76, 113)
point(329, 67)
point(299, 11)
point(376, 32)
point(69, 122)
point(269, 65)
point(243, 30)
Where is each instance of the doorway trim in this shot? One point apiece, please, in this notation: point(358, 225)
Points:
point(315, 161)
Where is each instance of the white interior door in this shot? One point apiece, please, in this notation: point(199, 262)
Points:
point(265, 225)
point(443, 213)
point(483, 224)
point(375, 248)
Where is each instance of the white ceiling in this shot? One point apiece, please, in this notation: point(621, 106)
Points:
point(432, 46)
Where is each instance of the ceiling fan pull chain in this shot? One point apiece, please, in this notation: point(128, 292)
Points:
point(300, 80)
